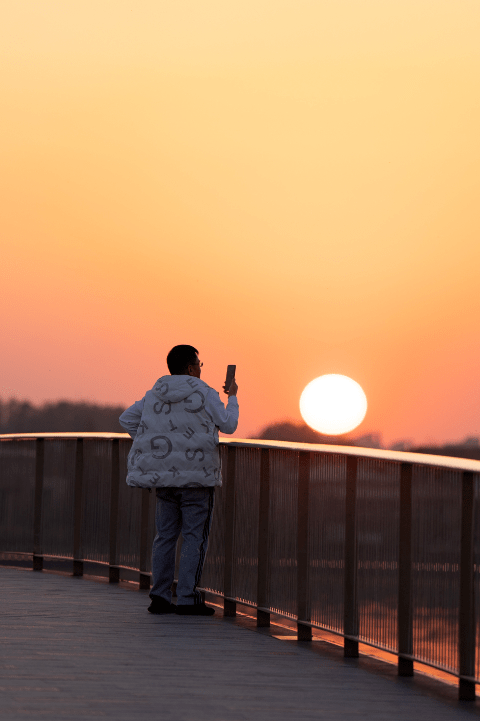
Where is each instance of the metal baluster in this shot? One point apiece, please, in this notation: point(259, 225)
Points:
point(144, 576)
point(77, 510)
point(38, 505)
point(113, 570)
point(303, 606)
point(229, 605)
point(263, 617)
point(466, 622)
point(405, 613)
point(350, 623)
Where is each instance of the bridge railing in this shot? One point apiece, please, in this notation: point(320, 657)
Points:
point(379, 547)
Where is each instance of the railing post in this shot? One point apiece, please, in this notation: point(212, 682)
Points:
point(38, 504)
point(113, 570)
point(304, 631)
point(229, 606)
point(466, 625)
point(263, 617)
point(350, 619)
point(144, 576)
point(77, 510)
point(405, 615)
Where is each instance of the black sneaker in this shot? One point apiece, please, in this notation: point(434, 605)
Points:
point(196, 609)
point(159, 605)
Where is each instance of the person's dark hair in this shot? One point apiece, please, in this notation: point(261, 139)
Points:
point(180, 357)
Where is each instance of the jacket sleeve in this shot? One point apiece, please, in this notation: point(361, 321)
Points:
point(130, 419)
point(225, 418)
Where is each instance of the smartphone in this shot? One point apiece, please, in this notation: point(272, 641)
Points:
point(230, 376)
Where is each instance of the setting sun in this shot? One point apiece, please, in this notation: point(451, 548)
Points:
point(333, 404)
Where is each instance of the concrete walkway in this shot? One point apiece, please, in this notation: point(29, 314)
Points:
point(76, 648)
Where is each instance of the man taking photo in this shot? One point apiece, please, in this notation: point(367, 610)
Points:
point(175, 450)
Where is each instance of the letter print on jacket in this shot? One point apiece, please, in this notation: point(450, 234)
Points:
point(177, 442)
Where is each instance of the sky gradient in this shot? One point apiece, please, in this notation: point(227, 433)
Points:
point(292, 187)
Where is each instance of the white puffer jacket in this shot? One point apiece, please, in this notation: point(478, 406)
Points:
point(176, 443)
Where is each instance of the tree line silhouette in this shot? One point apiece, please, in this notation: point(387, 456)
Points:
point(301, 433)
point(83, 417)
point(59, 417)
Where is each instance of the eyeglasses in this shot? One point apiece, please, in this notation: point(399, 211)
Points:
point(200, 365)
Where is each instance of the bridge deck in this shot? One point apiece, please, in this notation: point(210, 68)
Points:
point(74, 648)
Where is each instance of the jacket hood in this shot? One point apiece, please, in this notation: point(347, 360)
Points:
point(176, 388)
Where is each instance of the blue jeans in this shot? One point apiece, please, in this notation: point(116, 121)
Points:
point(189, 511)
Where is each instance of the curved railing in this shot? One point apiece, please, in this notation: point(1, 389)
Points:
point(380, 547)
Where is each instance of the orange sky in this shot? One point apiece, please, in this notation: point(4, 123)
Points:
point(291, 186)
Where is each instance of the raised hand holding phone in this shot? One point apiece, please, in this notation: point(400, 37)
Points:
point(230, 387)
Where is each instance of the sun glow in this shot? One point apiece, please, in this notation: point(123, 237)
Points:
point(333, 404)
